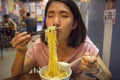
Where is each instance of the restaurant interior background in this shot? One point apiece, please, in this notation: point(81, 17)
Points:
point(104, 35)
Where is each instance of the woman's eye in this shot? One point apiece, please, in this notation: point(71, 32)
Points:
point(49, 16)
point(65, 16)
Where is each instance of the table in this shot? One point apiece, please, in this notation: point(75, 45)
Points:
point(1, 41)
point(35, 76)
point(32, 76)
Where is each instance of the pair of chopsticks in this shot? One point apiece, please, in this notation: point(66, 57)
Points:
point(41, 31)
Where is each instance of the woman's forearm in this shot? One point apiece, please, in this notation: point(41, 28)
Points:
point(104, 74)
point(18, 65)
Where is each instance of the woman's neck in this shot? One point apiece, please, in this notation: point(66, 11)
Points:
point(63, 52)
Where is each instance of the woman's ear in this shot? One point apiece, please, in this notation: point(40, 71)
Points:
point(75, 25)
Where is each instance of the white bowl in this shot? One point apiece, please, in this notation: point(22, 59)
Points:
point(43, 69)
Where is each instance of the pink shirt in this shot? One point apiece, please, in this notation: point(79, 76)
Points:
point(38, 53)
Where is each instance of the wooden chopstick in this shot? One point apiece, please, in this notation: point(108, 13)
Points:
point(41, 31)
point(38, 32)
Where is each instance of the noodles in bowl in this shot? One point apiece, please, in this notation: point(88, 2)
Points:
point(61, 76)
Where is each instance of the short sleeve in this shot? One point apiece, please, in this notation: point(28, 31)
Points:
point(38, 52)
point(31, 54)
point(91, 47)
point(33, 50)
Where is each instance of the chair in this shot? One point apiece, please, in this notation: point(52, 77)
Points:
point(1, 49)
point(1, 43)
point(7, 36)
point(1, 40)
point(7, 40)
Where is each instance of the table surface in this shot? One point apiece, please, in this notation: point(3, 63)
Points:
point(32, 76)
point(36, 76)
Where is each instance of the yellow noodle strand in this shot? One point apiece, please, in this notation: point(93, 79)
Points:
point(53, 70)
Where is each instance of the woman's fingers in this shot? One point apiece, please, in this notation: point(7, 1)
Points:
point(22, 45)
point(88, 63)
point(20, 38)
point(85, 68)
point(18, 35)
point(90, 59)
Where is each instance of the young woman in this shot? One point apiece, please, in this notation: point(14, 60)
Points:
point(73, 44)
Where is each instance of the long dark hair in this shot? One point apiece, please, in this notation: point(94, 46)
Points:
point(77, 35)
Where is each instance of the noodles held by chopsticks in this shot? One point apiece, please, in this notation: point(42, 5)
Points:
point(53, 70)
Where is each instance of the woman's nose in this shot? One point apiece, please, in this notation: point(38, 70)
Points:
point(56, 22)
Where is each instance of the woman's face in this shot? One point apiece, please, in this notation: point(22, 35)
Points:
point(59, 15)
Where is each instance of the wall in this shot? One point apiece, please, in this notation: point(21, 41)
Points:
point(3, 9)
point(96, 32)
point(115, 48)
point(96, 25)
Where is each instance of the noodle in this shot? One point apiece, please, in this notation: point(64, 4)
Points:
point(53, 70)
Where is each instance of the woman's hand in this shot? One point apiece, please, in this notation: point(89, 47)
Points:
point(20, 41)
point(89, 64)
